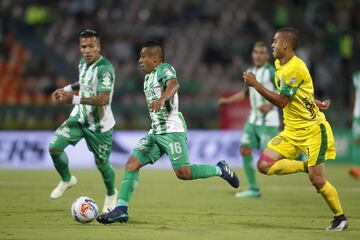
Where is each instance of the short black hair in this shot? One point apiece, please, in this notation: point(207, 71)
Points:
point(156, 43)
point(88, 33)
point(261, 44)
point(292, 34)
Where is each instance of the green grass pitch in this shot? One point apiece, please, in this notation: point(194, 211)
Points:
point(164, 207)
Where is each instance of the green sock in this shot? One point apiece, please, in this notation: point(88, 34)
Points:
point(61, 164)
point(204, 171)
point(108, 175)
point(127, 186)
point(250, 172)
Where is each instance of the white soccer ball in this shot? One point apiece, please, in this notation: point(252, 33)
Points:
point(84, 209)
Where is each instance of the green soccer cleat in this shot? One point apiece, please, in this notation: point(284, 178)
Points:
point(228, 175)
point(249, 193)
point(119, 214)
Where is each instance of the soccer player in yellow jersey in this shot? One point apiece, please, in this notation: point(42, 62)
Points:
point(305, 127)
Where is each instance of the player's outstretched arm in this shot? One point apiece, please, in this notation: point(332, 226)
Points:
point(323, 105)
point(171, 88)
point(99, 100)
point(237, 97)
point(278, 100)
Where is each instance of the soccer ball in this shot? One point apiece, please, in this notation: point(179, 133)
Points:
point(84, 209)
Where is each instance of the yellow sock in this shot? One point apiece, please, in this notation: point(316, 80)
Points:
point(286, 166)
point(330, 195)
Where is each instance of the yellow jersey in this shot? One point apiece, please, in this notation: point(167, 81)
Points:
point(293, 80)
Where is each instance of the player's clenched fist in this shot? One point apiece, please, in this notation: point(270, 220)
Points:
point(66, 97)
point(249, 78)
point(156, 105)
point(55, 96)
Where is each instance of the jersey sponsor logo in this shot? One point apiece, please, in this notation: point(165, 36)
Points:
point(176, 158)
point(310, 107)
point(107, 79)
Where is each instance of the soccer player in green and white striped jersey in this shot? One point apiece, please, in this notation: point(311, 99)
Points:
point(166, 136)
point(355, 170)
point(263, 122)
point(91, 117)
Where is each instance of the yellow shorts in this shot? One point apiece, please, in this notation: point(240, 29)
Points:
point(317, 142)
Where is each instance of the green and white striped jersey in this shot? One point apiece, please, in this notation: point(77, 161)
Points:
point(98, 77)
point(265, 75)
point(168, 119)
point(356, 82)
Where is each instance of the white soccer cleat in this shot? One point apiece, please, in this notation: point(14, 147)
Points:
point(338, 224)
point(62, 187)
point(110, 202)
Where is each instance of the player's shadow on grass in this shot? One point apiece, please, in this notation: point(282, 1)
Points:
point(278, 226)
point(118, 224)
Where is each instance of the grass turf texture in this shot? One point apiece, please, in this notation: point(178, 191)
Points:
point(166, 208)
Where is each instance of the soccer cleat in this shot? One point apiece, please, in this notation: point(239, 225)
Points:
point(229, 175)
point(62, 187)
point(110, 202)
point(355, 172)
point(338, 224)
point(119, 214)
point(249, 193)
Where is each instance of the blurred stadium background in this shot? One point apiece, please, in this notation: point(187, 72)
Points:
point(208, 42)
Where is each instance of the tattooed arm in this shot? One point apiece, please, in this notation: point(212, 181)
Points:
point(99, 100)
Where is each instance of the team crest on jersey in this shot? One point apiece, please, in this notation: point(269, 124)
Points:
point(292, 80)
point(276, 141)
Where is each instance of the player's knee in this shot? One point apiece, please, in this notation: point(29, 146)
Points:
point(262, 167)
point(264, 164)
point(184, 173)
point(317, 181)
point(245, 151)
point(54, 151)
point(132, 164)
